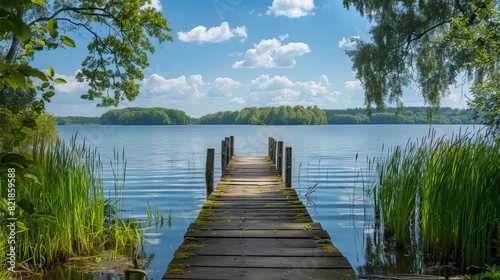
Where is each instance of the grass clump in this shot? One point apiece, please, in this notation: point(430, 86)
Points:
point(62, 210)
point(184, 255)
point(444, 193)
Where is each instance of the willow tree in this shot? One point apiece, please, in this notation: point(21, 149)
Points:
point(431, 45)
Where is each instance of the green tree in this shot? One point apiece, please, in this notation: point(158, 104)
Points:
point(433, 44)
point(119, 35)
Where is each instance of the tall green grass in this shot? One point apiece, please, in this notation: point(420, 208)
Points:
point(69, 188)
point(444, 195)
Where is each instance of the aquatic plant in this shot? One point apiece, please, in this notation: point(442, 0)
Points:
point(443, 195)
point(68, 187)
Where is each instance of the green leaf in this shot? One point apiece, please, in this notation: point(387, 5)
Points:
point(31, 123)
point(52, 27)
point(68, 41)
point(60, 80)
point(14, 159)
point(51, 72)
point(21, 226)
point(32, 177)
point(44, 218)
point(6, 112)
point(48, 95)
point(11, 22)
point(38, 2)
point(32, 72)
point(26, 205)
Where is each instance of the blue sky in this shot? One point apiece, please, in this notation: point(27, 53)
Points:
point(231, 54)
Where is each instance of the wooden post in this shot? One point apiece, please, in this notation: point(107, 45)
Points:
point(209, 170)
point(279, 165)
point(223, 156)
point(228, 150)
point(288, 167)
point(269, 147)
point(231, 153)
point(273, 149)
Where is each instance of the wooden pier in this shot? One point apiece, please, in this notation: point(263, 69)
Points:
point(252, 226)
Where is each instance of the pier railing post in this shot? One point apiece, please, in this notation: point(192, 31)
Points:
point(288, 167)
point(269, 148)
point(209, 170)
point(279, 165)
point(231, 149)
point(223, 156)
point(228, 151)
point(273, 149)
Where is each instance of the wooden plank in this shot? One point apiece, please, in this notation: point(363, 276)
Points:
point(267, 262)
point(214, 273)
point(258, 233)
point(258, 226)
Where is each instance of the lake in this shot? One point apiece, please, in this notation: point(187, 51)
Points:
point(165, 168)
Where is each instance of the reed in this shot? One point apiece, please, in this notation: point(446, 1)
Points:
point(443, 193)
point(69, 188)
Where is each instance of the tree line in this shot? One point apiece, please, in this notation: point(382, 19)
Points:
point(283, 115)
point(145, 116)
point(409, 115)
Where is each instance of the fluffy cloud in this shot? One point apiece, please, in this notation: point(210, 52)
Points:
point(291, 8)
point(71, 85)
point(271, 54)
point(349, 42)
point(201, 34)
point(223, 87)
point(237, 100)
point(353, 85)
point(176, 88)
point(265, 83)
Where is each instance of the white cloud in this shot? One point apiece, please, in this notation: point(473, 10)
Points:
point(271, 54)
point(237, 100)
point(201, 34)
point(283, 37)
point(264, 83)
point(223, 87)
point(353, 85)
point(176, 88)
point(349, 42)
point(156, 4)
point(331, 97)
point(291, 8)
point(71, 85)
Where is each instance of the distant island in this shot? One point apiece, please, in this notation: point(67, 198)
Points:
point(283, 115)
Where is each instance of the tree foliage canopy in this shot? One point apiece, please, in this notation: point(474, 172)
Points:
point(282, 115)
point(119, 37)
point(432, 44)
point(145, 116)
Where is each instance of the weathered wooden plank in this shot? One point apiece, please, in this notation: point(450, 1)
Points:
point(271, 233)
point(236, 225)
point(267, 262)
point(211, 273)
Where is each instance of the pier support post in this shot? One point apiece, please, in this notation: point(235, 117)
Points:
point(273, 150)
point(231, 149)
point(228, 151)
point(209, 170)
point(288, 167)
point(279, 159)
point(223, 156)
point(269, 148)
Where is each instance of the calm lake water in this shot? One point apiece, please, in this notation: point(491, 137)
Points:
point(165, 168)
